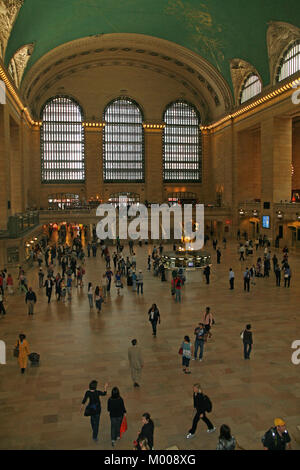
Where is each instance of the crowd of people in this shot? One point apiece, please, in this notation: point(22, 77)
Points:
point(64, 269)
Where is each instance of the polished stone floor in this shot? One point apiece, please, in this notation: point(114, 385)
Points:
point(40, 410)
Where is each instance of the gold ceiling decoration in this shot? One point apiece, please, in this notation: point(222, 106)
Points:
point(240, 70)
point(9, 10)
point(18, 63)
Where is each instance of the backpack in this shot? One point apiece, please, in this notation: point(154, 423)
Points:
point(272, 431)
point(207, 404)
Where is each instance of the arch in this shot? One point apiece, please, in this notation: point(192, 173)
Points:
point(251, 87)
point(123, 142)
point(182, 149)
point(289, 62)
point(62, 141)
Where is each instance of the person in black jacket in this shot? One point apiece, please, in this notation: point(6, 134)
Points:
point(146, 431)
point(30, 300)
point(200, 402)
point(248, 341)
point(116, 409)
point(93, 408)
point(49, 285)
point(154, 317)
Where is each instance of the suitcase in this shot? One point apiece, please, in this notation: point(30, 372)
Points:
point(34, 359)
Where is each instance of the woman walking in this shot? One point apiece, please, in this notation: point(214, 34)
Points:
point(93, 408)
point(147, 431)
point(90, 294)
point(226, 440)
point(23, 347)
point(187, 351)
point(98, 299)
point(116, 409)
point(208, 321)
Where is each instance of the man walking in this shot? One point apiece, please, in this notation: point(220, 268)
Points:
point(178, 284)
point(49, 285)
point(231, 279)
point(218, 256)
point(199, 341)
point(136, 362)
point(30, 300)
point(247, 340)
point(202, 404)
point(277, 438)
point(247, 280)
point(140, 282)
point(206, 273)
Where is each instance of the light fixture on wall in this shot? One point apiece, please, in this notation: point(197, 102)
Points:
point(298, 216)
point(242, 212)
point(279, 215)
point(255, 212)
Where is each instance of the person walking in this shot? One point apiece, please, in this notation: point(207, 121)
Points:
point(247, 277)
point(146, 432)
point(202, 404)
point(69, 286)
point(118, 282)
point(278, 275)
point(23, 347)
point(154, 317)
point(226, 440)
point(140, 282)
point(287, 275)
point(10, 284)
point(246, 335)
point(90, 294)
point(231, 279)
point(2, 308)
point(187, 351)
point(98, 299)
point(133, 278)
point(116, 409)
point(30, 300)
point(206, 273)
point(199, 333)
point(208, 321)
point(219, 254)
point(177, 285)
point(136, 362)
point(93, 409)
point(41, 278)
point(277, 438)
point(49, 286)
point(242, 252)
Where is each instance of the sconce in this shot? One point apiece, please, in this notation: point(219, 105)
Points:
point(298, 216)
point(242, 212)
point(255, 212)
point(279, 215)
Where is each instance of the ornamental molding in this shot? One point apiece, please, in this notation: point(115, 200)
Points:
point(279, 36)
point(9, 10)
point(240, 70)
point(18, 63)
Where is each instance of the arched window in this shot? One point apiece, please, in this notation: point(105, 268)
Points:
point(182, 148)
point(123, 142)
point(290, 62)
point(62, 141)
point(251, 87)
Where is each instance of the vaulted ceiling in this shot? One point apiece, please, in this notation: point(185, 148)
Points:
point(216, 30)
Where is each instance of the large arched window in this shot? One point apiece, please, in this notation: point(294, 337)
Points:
point(182, 148)
point(290, 62)
point(62, 141)
point(123, 142)
point(251, 87)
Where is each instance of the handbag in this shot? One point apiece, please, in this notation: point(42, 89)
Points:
point(123, 427)
point(180, 351)
point(16, 350)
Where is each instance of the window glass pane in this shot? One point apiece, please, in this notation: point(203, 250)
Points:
point(123, 142)
point(251, 88)
point(290, 63)
point(62, 142)
point(182, 143)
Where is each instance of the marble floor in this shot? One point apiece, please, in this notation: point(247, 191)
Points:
point(40, 409)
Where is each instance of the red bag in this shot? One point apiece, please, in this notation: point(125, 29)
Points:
point(180, 351)
point(123, 427)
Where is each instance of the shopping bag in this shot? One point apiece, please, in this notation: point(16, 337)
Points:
point(123, 427)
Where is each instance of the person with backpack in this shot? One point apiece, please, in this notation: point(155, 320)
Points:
point(277, 438)
point(202, 405)
point(246, 336)
point(226, 440)
point(178, 284)
point(247, 277)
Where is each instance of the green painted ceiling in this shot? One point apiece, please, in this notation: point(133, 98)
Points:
point(218, 30)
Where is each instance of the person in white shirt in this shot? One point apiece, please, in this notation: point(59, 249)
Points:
point(231, 279)
point(140, 283)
